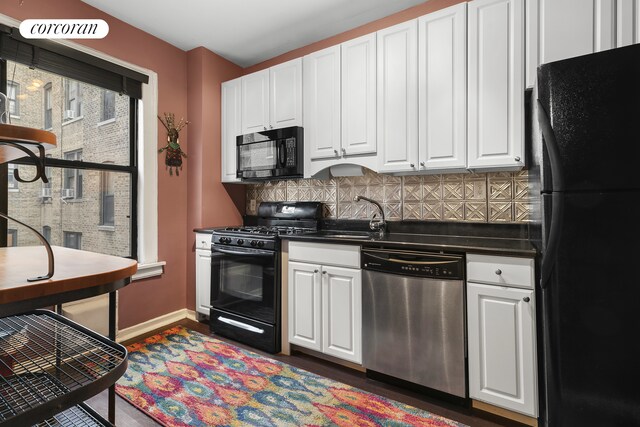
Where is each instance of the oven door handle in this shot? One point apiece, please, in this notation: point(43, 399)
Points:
point(241, 253)
point(240, 325)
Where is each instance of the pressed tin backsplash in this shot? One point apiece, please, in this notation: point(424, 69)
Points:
point(496, 197)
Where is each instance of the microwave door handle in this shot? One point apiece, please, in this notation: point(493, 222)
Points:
point(282, 154)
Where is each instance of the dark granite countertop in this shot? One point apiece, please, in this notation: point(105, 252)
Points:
point(489, 245)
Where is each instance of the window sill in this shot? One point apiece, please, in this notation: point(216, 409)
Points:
point(148, 270)
point(13, 116)
point(111, 228)
point(68, 122)
point(14, 190)
point(106, 122)
point(67, 201)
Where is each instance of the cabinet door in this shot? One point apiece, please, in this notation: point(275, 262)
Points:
point(305, 305)
point(231, 127)
point(322, 103)
point(561, 29)
point(342, 313)
point(286, 94)
point(442, 85)
point(627, 22)
point(397, 97)
point(496, 84)
point(359, 95)
point(203, 281)
point(255, 102)
point(502, 350)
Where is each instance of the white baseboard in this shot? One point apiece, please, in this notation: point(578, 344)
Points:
point(158, 322)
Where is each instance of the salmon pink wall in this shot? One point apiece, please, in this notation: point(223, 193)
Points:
point(146, 299)
point(396, 18)
point(210, 203)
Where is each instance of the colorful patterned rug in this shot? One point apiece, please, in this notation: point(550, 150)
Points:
point(184, 378)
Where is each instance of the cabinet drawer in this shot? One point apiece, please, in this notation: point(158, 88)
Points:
point(500, 270)
point(203, 241)
point(325, 253)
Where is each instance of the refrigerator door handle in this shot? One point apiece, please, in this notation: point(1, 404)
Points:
point(550, 142)
point(553, 240)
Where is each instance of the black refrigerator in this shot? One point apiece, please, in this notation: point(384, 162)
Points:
point(587, 169)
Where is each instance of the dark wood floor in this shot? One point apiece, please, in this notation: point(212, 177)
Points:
point(129, 416)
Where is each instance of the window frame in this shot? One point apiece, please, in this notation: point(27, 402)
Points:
point(14, 239)
point(15, 100)
point(103, 108)
point(69, 83)
point(66, 235)
point(149, 265)
point(107, 183)
point(46, 98)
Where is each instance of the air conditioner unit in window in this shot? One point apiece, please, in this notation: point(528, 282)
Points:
point(46, 193)
point(68, 115)
point(67, 193)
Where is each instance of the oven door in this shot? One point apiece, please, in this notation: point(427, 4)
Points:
point(244, 281)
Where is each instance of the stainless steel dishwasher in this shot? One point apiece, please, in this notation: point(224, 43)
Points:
point(413, 311)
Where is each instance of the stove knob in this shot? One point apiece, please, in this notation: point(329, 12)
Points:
point(260, 244)
point(240, 242)
point(254, 242)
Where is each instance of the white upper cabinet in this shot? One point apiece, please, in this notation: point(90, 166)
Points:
point(397, 97)
point(285, 94)
point(272, 98)
point(358, 72)
point(496, 84)
point(561, 29)
point(255, 102)
point(627, 20)
point(321, 71)
point(231, 128)
point(442, 85)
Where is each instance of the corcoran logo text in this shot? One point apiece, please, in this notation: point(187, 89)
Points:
point(64, 29)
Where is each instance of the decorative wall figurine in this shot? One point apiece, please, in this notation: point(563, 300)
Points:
point(174, 153)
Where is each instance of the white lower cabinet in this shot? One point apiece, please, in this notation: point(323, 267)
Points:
point(203, 273)
point(502, 361)
point(325, 303)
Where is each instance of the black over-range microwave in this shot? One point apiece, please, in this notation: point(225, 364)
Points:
point(272, 154)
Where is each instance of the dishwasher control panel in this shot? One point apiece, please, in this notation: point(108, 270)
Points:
point(413, 263)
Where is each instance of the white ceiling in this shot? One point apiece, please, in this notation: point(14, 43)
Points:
point(248, 31)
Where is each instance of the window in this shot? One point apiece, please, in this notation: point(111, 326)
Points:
point(46, 232)
point(72, 239)
point(12, 237)
point(107, 206)
point(13, 90)
point(72, 100)
point(46, 186)
point(72, 188)
point(48, 107)
point(13, 183)
point(108, 105)
point(76, 84)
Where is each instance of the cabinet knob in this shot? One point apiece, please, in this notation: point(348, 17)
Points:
point(498, 272)
point(265, 128)
point(412, 165)
point(526, 299)
point(270, 126)
point(335, 151)
point(204, 242)
point(315, 271)
point(422, 164)
point(324, 272)
point(344, 151)
point(517, 159)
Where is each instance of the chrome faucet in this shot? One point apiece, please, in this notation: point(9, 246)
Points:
point(380, 224)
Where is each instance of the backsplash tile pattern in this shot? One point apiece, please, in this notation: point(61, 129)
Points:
point(497, 197)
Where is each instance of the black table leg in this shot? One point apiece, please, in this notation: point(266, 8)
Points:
point(112, 337)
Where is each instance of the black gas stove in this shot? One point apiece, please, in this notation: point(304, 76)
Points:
point(245, 272)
